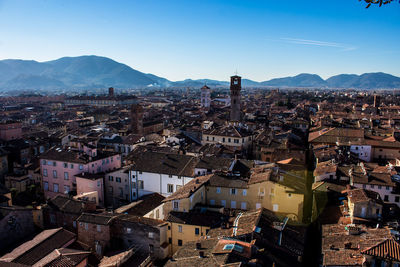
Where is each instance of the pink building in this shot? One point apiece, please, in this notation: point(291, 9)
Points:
point(59, 168)
point(10, 130)
point(88, 182)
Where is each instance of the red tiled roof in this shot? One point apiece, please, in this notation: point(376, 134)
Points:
point(388, 249)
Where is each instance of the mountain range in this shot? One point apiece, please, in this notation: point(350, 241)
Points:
point(91, 72)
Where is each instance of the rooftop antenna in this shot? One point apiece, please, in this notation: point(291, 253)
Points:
point(281, 228)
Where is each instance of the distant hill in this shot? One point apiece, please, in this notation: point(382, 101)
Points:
point(301, 80)
point(366, 81)
point(83, 72)
point(93, 72)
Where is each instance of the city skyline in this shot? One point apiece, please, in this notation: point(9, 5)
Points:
point(208, 39)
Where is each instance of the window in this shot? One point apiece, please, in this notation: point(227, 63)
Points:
point(170, 188)
point(233, 204)
point(377, 211)
point(44, 162)
point(396, 199)
point(45, 172)
point(289, 195)
point(387, 188)
point(243, 206)
point(80, 166)
point(66, 176)
point(98, 183)
point(386, 198)
point(49, 163)
point(86, 226)
point(236, 141)
point(118, 179)
point(66, 189)
point(364, 186)
point(140, 184)
point(223, 203)
point(74, 224)
point(372, 186)
point(54, 163)
point(72, 166)
point(176, 205)
point(110, 189)
point(179, 177)
point(65, 165)
point(170, 176)
point(52, 219)
point(223, 140)
point(55, 188)
point(233, 191)
point(212, 202)
point(170, 240)
point(110, 178)
point(180, 242)
point(218, 190)
point(275, 207)
point(196, 231)
point(128, 230)
point(151, 235)
point(229, 140)
point(379, 187)
point(46, 186)
point(54, 174)
point(98, 228)
point(180, 228)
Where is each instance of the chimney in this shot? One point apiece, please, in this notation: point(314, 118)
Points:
point(110, 91)
point(198, 245)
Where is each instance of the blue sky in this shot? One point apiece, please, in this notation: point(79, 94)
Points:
point(179, 39)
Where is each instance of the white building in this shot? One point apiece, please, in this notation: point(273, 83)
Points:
point(363, 152)
point(381, 183)
point(160, 172)
point(228, 135)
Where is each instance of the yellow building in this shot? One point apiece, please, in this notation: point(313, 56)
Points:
point(264, 189)
point(19, 182)
point(190, 226)
point(199, 206)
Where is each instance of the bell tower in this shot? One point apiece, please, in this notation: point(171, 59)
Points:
point(236, 86)
point(205, 97)
point(137, 119)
